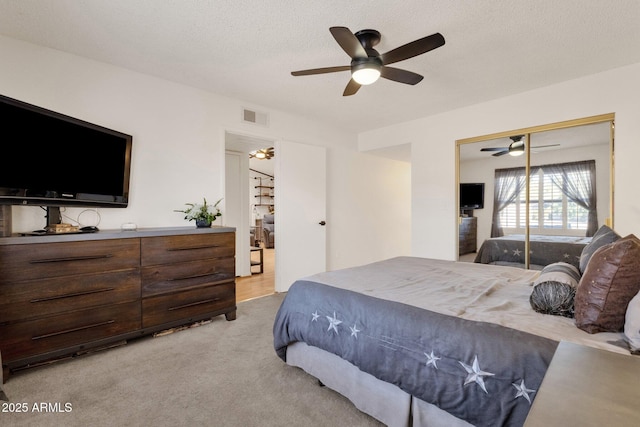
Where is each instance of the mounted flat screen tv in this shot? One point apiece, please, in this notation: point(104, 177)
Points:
point(50, 159)
point(471, 196)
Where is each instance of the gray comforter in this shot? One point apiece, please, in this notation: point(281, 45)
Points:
point(544, 250)
point(483, 373)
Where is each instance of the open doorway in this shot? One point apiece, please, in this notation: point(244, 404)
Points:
point(250, 203)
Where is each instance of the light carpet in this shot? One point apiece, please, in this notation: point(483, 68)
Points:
point(218, 374)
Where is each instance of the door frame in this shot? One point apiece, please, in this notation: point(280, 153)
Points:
point(249, 142)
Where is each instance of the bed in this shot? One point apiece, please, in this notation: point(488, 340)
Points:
point(423, 342)
point(509, 250)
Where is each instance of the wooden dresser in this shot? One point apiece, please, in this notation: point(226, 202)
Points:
point(63, 294)
point(184, 276)
point(467, 235)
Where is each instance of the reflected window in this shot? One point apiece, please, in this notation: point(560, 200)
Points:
point(562, 200)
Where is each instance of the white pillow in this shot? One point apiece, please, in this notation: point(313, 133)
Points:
point(632, 324)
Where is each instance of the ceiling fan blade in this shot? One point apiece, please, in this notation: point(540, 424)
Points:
point(348, 42)
point(500, 153)
point(545, 146)
point(402, 76)
point(415, 48)
point(495, 149)
point(352, 88)
point(323, 70)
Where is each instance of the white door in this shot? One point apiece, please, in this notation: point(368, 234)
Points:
point(236, 206)
point(300, 215)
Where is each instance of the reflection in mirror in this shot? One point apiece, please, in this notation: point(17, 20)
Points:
point(570, 194)
point(479, 162)
point(569, 180)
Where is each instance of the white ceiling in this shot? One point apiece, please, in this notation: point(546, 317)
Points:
point(246, 49)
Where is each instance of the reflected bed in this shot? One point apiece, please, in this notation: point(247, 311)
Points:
point(545, 250)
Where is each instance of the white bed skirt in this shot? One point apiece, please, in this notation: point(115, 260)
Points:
point(383, 401)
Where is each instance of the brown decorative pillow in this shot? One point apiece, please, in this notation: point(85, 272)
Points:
point(610, 281)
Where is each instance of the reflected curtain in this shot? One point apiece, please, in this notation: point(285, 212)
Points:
point(508, 184)
point(577, 180)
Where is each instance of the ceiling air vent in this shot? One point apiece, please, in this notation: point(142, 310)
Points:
point(255, 117)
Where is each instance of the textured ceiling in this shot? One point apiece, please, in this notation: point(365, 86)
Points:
point(246, 49)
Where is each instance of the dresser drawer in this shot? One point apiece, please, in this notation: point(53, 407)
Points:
point(43, 297)
point(160, 279)
point(171, 249)
point(187, 304)
point(34, 337)
point(46, 260)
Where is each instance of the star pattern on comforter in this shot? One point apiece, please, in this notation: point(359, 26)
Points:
point(474, 373)
point(478, 372)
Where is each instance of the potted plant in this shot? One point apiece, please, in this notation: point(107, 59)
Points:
point(203, 214)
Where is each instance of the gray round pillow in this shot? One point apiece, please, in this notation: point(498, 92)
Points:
point(553, 298)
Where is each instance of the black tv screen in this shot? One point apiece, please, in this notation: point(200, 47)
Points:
point(472, 195)
point(51, 159)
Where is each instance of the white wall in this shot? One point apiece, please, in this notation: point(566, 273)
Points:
point(434, 227)
point(178, 146)
point(375, 216)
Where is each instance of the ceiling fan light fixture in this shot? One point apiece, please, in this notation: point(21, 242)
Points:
point(262, 154)
point(365, 72)
point(366, 76)
point(516, 148)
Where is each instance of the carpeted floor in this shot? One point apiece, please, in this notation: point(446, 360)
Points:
point(219, 374)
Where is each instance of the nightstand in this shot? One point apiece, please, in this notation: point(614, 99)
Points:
point(586, 386)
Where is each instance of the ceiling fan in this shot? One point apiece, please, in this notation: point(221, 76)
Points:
point(516, 148)
point(367, 64)
point(263, 153)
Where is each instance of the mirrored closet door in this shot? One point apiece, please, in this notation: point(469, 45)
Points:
point(534, 196)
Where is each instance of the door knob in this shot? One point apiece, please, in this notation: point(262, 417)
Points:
point(322, 223)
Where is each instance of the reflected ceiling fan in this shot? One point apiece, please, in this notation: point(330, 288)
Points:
point(263, 153)
point(516, 148)
point(367, 65)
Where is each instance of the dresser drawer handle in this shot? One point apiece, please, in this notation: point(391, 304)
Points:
point(195, 276)
point(66, 331)
point(75, 294)
point(193, 247)
point(193, 304)
point(76, 258)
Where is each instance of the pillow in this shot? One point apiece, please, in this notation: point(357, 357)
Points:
point(603, 236)
point(559, 272)
point(554, 289)
point(611, 280)
point(632, 324)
